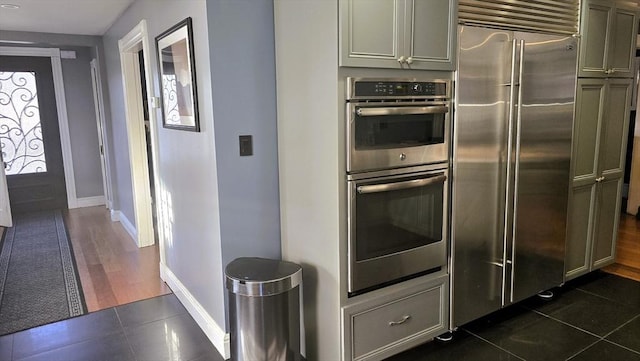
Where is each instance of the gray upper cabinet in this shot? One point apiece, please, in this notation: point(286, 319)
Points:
point(398, 34)
point(608, 33)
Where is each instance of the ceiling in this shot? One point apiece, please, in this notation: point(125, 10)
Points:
point(80, 17)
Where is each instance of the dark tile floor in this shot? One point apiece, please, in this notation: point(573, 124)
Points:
point(155, 329)
point(596, 317)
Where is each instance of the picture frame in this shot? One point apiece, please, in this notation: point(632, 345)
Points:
point(177, 77)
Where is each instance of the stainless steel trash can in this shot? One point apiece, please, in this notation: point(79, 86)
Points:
point(264, 309)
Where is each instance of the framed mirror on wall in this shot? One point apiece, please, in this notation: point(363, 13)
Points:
point(177, 74)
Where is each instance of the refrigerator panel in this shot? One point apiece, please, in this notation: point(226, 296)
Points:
point(479, 171)
point(547, 99)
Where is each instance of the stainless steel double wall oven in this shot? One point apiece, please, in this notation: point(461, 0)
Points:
point(397, 176)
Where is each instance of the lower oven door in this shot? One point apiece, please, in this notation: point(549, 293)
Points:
point(396, 228)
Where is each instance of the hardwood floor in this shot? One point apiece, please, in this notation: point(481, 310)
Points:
point(113, 270)
point(627, 249)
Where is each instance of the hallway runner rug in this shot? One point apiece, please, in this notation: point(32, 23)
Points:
point(39, 282)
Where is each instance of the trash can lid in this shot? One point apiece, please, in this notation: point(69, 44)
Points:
point(252, 276)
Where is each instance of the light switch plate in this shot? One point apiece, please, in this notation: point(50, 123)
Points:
point(246, 145)
point(155, 102)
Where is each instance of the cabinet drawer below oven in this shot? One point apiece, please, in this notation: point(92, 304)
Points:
point(384, 326)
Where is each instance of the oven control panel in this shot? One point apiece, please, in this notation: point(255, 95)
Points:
point(368, 89)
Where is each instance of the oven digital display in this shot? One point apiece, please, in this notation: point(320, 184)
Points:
point(399, 89)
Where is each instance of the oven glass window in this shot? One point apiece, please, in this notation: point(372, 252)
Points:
point(394, 221)
point(398, 131)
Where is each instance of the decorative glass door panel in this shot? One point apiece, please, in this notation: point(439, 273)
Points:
point(20, 126)
point(30, 134)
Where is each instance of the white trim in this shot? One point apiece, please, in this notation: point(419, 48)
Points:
point(115, 215)
point(129, 46)
point(26, 51)
point(214, 332)
point(61, 105)
point(90, 201)
point(118, 216)
point(63, 123)
point(96, 82)
point(6, 220)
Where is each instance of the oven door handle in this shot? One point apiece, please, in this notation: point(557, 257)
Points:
point(378, 111)
point(377, 188)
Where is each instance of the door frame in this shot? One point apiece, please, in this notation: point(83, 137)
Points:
point(6, 220)
point(129, 46)
point(633, 202)
point(96, 82)
point(61, 105)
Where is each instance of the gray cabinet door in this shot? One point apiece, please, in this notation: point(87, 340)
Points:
point(608, 39)
point(587, 132)
point(430, 37)
point(582, 202)
point(606, 228)
point(590, 99)
point(615, 125)
point(372, 32)
point(599, 144)
point(409, 34)
point(622, 41)
point(596, 19)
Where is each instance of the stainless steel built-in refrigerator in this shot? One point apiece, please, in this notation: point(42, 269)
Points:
point(512, 146)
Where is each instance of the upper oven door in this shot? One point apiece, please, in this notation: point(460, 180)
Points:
point(384, 135)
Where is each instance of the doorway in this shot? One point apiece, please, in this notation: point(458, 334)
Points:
point(30, 135)
point(134, 76)
point(147, 133)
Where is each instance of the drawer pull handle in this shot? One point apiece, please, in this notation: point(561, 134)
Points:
point(400, 322)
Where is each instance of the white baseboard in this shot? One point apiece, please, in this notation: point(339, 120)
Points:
point(115, 215)
point(118, 216)
point(90, 202)
point(216, 335)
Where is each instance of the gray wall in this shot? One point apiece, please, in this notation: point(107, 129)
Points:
point(221, 205)
point(187, 174)
point(244, 102)
point(115, 124)
point(80, 105)
point(82, 123)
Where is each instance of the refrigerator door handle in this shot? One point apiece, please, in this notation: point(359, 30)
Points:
point(517, 171)
point(507, 211)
